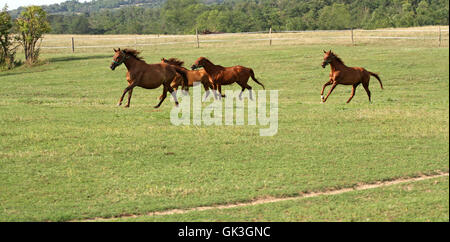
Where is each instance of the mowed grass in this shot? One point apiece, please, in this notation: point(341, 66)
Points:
point(67, 152)
point(420, 201)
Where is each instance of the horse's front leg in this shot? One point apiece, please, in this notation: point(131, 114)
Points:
point(329, 92)
point(130, 87)
point(207, 91)
point(130, 92)
point(323, 89)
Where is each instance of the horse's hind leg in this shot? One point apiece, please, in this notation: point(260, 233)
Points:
point(220, 91)
point(174, 85)
point(366, 87)
point(353, 92)
point(174, 95)
point(248, 87)
point(216, 95)
point(163, 96)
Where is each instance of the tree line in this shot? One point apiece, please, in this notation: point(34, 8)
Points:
point(184, 16)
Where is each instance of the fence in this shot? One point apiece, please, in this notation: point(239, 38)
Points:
point(433, 35)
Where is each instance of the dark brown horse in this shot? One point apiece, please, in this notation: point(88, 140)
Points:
point(227, 75)
point(192, 75)
point(149, 76)
point(342, 74)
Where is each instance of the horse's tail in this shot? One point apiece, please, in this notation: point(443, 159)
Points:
point(183, 72)
point(377, 77)
point(252, 75)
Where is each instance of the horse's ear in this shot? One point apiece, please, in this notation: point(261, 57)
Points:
point(324, 51)
point(114, 49)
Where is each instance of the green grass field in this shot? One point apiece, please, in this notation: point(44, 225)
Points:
point(69, 153)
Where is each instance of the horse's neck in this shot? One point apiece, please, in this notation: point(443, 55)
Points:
point(210, 68)
point(131, 62)
point(336, 65)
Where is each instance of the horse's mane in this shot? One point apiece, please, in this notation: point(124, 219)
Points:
point(337, 58)
point(175, 61)
point(207, 60)
point(133, 53)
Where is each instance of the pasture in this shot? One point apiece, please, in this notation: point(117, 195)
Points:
point(67, 152)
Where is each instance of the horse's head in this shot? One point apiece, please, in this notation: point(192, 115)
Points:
point(200, 62)
point(328, 57)
point(118, 58)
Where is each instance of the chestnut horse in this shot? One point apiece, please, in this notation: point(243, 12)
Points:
point(192, 76)
point(227, 75)
point(148, 76)
point(342, 74)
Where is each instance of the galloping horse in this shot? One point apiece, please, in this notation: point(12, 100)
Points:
point(149, 76)
point(227, 75)
point(192, 75)
point(342, 74)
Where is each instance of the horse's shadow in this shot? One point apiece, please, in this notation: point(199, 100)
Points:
point(57, 59)
point(75, 58)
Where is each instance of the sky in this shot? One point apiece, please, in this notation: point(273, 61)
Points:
point(13, 4)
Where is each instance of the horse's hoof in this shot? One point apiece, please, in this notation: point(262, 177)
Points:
point(126, 106)
point(157, 106)
point(223, 96)
point(119, 104)
point(176, 104)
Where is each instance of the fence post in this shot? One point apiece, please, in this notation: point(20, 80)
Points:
point(73, 46)
point(270, 36)
point(353, 41)
point(440, 36)
point(198, 42)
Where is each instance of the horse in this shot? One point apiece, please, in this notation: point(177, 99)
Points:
point(342, 74)
point(192, 76)
point(227, 75)
point(148, 76)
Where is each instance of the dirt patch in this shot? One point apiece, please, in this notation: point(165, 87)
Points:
point(273, 200)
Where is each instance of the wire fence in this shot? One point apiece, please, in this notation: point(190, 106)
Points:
point(436, 36)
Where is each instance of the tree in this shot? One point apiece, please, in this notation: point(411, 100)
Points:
point(7, 50)
point(423, 13)
point(336, 16)
point(32, 24)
